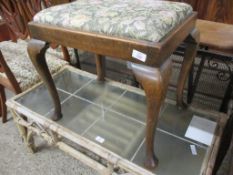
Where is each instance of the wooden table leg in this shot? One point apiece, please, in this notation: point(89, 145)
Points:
point(100, 67)
point(36, 51)
point(65, 53)
point(77, 63)
point(155, 83)
point(192, 42)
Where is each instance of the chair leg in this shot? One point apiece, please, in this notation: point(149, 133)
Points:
point(3, 104)
point(190, 53)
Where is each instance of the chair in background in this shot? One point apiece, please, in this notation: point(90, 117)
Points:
point(16, 71)
point(17, 14)
point(14, 20)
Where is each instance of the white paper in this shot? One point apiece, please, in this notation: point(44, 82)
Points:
point(193, 149)
point(201, 130)
point(99, 139)
point(139, 55)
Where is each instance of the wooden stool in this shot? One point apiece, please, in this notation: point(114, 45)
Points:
point(121, 29)
point(218, 38)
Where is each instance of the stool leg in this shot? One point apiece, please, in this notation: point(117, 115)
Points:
point(100, 67)
point(65, 53)
point(36, 51)
point(155, 83)
point(189, 56)
point(77, 64)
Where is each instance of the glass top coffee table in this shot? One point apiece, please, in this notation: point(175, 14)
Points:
point(105, 122)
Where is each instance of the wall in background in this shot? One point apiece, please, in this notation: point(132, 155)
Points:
point(213, 10)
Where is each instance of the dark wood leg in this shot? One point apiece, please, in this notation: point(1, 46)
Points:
point(100, 67)
point(36, 51)
point(155, 83)
point(190, 85)
point(3, 104)
point(192, 42)
point(77, 64)
point(65, 53)
point(227, 96)
point(194, 83)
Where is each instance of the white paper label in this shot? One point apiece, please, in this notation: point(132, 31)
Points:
point(99, 139)
point(201, 130)
point(139, 55)
point(193, 149)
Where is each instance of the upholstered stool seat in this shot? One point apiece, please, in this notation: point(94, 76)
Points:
point(147, 20)
point(16, 57)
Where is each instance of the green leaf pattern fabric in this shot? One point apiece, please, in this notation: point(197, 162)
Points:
point(148, 20)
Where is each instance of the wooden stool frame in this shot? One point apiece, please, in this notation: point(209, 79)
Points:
point(153, 74)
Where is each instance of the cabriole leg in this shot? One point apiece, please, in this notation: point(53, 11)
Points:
point(36, 51)
point(155, 83)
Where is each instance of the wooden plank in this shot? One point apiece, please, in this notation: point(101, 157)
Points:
point(216, 35)
point(157, 52)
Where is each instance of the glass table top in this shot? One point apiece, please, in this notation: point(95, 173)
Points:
point(114, 117)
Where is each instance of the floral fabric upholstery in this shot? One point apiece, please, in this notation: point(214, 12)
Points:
point(16, 57)
point(148, 20)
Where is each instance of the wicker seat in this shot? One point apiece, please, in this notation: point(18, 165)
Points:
point(19, 73)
